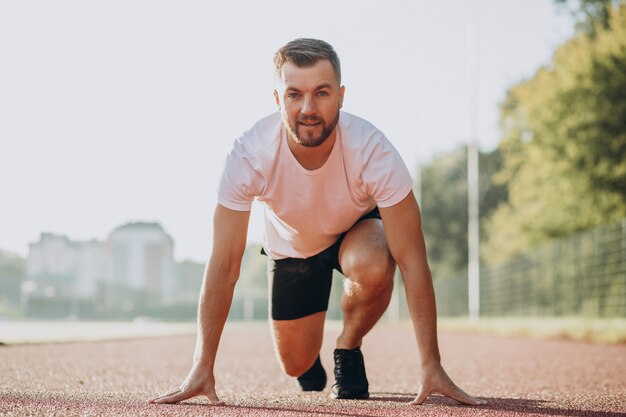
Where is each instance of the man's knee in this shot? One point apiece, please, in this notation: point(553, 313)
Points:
point(294, 358)
point(372, 269)
point(365, 257)
point(294, 365)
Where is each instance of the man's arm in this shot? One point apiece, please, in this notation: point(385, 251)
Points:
point(222, 271)
point(403, 229)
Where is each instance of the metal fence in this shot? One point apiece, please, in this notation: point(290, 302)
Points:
point(580, 275)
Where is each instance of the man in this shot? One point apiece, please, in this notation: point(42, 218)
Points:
point(336, 195)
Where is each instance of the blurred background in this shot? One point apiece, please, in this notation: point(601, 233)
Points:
point(116, 116)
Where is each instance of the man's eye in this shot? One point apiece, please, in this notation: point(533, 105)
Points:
point(322, 93)
point(293, 95)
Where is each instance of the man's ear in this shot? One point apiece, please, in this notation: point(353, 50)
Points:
point(342, 90)
point(277, 98)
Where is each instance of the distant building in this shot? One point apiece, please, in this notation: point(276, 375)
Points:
point(142, 259)
point(135, 265)
point(63, 268)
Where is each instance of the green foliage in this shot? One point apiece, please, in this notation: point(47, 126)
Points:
point(253, 273)
point(444, 212)
point(12, 274)
point(590, 15)
point(444, 207)
point(564, 145)
point(190, 276)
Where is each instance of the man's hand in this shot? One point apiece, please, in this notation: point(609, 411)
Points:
point(403, 228)
point(435, 381)
point(199, 381)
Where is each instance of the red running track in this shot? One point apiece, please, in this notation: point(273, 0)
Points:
point(518, 377)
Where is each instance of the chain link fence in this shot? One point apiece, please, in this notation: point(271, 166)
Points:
point(580, 275)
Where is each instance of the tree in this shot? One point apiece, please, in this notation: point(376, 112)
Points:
point(590, 15)
point(444, 206)
point(564, 144)
point(12, 274)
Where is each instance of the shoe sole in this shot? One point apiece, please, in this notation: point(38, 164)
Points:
point(316, 389)
point(362, 396)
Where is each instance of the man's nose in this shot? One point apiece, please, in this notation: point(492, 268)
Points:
point(308, 106)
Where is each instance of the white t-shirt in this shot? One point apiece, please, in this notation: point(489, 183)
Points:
point(306, 211)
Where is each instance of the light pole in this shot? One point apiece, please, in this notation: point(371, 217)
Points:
point(473, 237)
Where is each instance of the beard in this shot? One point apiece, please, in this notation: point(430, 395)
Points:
point(309, 139)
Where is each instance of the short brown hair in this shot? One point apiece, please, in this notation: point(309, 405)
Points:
point(306, 52)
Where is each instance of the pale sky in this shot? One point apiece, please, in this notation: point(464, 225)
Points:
point(116, 111)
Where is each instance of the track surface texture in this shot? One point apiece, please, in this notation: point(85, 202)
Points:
point(517, 376)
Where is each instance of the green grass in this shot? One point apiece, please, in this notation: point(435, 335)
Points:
point(596, 330)
point(608, 331)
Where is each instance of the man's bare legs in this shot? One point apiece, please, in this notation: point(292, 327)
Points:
point(369, 269)
point(298, 342)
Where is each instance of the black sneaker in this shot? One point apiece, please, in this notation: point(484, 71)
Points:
point(350, 379)
point(315, 378)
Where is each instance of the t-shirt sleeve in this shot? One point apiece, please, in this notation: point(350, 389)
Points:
point(385, 175)
point(241, 180)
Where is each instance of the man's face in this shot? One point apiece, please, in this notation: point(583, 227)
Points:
point(309, 100)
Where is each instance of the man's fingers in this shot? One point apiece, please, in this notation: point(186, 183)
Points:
point(167, 394)
point(461, 396)
point(454, 392)
point(179, 394)
point(421, 397)
point(174, 398)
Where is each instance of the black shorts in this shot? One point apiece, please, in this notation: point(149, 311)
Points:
point(301, 287)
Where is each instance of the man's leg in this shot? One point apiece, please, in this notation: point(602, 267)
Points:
point(299, 299)
point(369, 269)
point(298, 342)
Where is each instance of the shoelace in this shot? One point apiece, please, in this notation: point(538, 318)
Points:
point(350, 365)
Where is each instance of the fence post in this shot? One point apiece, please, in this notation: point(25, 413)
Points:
point(554, 277)
point(599, 270)
point(578, 275)
point(623, 268)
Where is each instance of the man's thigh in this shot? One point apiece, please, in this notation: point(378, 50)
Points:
point(299, 299)
point(299, 287)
